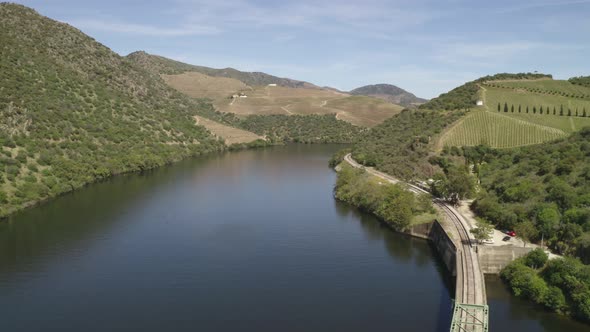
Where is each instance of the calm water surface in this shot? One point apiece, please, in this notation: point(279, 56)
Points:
point(246, 241)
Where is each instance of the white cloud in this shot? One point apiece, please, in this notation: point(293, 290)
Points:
point(329, 16)
point(139, 29)
point(536, 5)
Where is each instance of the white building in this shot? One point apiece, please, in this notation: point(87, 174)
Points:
point(479, 103)
point(272, 84)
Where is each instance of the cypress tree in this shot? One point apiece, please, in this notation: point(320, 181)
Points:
point(519, 108)
point(561, 111)
point(577, 111)
point(534, 109)
point(527, 109)
point(505, 107)
point(541, 110)
point(584, 112)
point(554, 113)
point(569, 112)
point(512, 108)
point(498, 107)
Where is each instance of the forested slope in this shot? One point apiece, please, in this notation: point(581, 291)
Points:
point(401, 146)
point(73, 112)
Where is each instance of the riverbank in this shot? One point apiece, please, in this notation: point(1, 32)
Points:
point(137, 166)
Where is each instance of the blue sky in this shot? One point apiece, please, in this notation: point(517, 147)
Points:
point(426, 47)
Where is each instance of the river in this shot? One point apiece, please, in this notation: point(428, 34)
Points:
point(242, 241)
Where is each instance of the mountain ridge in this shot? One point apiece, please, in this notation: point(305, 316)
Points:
point(163, 65)
point(390, 93)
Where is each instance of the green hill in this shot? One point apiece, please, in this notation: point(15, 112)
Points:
point(517, 110)
point(162, 65)
point(466, 95)
point(74, 112)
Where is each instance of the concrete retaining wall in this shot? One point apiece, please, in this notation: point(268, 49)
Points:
point(445, 246)
point(493, 259)
point(422, 231)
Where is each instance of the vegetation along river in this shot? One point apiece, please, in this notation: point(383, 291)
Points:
point(244, 241)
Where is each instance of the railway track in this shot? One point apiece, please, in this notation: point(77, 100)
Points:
point(470, 290)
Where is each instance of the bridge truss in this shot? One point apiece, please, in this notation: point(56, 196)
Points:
point(470, 317)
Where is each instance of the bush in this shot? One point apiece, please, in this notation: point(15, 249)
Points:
point(536, 259)
point(555, 300)
point(392, 203)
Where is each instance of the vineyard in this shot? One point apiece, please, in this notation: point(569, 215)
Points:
point(498, 130)
point(544, 86)
point(564, 123)
point(562, 94)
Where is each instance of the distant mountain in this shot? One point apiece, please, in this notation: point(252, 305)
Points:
point(390, 93)
point(162, 65)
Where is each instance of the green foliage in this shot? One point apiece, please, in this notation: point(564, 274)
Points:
point(483, 231)
point(526, 231)
point(300, 128)
point(402, 145)
point(73, 112)
point(581, 80)
point(525, 282)
point(561, 284)
point(392, 203)
point(536, 259)
point(548, 186)
point(338, 157)
point(454, 185)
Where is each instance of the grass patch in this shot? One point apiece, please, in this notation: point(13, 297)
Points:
point(424, 218)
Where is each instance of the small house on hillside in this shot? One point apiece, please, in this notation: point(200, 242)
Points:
point(479, 103)
point(272, 84)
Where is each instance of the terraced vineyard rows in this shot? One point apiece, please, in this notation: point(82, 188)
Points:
point(499, 131)
point(545, 86)
point(524, 98)
point(568, 124)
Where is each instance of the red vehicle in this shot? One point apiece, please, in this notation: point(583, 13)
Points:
point(511, 233)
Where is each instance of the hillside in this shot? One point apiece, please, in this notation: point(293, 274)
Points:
point(197, 85)
point(545, 184)
point(466, 95)
point(403, 144)
point(517, 110)
point(162, 65)
point(74, 112)
point(287, 98)
point(390, 93)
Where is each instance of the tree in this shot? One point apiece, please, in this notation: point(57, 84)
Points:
point(555, 300)
point(534, 109)
point(561, 110)
point(526, 231)
point(512, 108)
point(527, 109)
point(453, 186)
point(499, 107)
point(396, 208)
point(505, 107)
point(548, 221)
point(554, 110)
point(484, 231)
point(536, 258)
point(541, 110)
point(584, 112)
point(519, 109)
point(569, 112)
